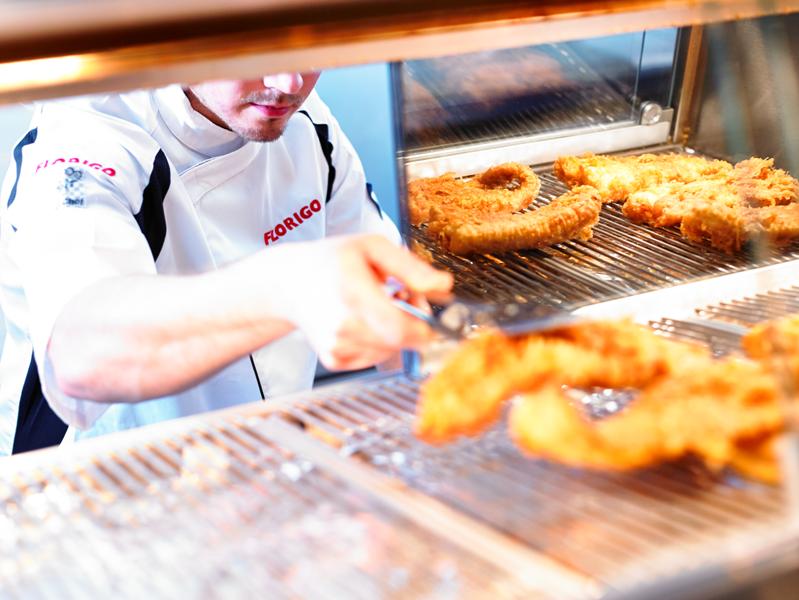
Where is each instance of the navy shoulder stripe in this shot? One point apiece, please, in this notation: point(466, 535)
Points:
point(373, 197)
point(150, 217)
point(37, 425)
point(323, 133)
point(29, 138)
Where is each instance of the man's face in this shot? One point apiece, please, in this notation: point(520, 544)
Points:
point(256, 109)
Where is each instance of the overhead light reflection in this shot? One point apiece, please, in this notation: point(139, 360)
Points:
point(40, 72)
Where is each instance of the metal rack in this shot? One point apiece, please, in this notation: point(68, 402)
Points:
point(218, 510)
point(622, 531)
point(663, 528)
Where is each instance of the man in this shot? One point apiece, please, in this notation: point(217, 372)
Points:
point(171, 251)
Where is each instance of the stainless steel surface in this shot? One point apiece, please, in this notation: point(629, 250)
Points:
point(68, 47)
point(537, 149)
point(749, 91)
point(689, 83)
point(214, 509)
point(621, 259)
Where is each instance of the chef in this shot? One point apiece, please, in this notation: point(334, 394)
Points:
point(171, 251)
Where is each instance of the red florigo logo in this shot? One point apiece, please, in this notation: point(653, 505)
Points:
point(110, 171)
point(295, 220)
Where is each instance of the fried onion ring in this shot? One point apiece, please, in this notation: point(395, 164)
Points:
point(504, 188)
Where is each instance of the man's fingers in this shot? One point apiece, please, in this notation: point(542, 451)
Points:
point(393, 327)
point(390, 260)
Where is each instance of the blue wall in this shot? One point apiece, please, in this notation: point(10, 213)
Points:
point(360, 97)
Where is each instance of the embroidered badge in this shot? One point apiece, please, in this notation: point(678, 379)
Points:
point(72, 187)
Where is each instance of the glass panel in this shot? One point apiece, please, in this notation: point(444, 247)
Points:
point(538, 89)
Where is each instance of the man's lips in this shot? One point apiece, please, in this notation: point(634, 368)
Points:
point(272, 110)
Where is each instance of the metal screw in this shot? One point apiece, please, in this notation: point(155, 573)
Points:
point(651, 112)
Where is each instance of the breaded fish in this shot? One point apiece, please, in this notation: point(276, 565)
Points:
point(466, 395)
point(570, 216)
point(703, 411)
point(616, 177)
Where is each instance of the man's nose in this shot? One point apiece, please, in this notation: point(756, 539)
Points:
point(288, 83)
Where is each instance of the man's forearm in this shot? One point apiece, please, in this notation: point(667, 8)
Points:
point(132, 338)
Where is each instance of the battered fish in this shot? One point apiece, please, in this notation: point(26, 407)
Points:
point(504, 188)
point(570, 216)
point(705, 411)
point(776, 343)
point(616, 177)
point(729, 227)
point(709, 199)
point(466, 395)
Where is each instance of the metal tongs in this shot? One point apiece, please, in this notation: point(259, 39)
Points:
point(457, 320)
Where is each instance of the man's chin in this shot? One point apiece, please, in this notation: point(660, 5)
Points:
point(270, 133)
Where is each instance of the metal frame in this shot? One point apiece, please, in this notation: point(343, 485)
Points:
point(65, 48)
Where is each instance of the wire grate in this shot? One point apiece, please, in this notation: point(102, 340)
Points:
point(218, 511)
point(753, 310)
point(621, 259)
point(626, 531)
point(623, 530)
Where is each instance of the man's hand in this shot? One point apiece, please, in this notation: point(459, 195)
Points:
point(342, 306)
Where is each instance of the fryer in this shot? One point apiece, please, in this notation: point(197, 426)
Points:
point(328, 494)
point(688, 91)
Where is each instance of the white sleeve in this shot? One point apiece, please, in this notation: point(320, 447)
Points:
point(70, 225)
point(353, 206)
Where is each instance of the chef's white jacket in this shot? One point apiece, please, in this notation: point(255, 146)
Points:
point(140, 183)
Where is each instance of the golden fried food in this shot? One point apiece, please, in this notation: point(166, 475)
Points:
point(756, 458)
point(616, 177)
point(729, 227)
point(709, 199)
point(701, 410)
point(467, 394)
point(776, 343)
point(504, 188)
point(759, 184)
point(570, 216)
point(670, 203)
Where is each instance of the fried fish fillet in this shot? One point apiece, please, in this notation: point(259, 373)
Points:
point(616, 177)
point(756, 458)
point(776, 343)
point(706, 411)
point(729, 227)
point(570, 216)
point(504, 188)
point(668, 204)
point(709, 199)
point(467, 394)
point(759, 184)
point(751, 183)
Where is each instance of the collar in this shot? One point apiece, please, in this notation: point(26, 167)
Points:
point(192, 128)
